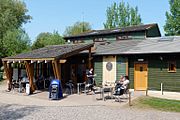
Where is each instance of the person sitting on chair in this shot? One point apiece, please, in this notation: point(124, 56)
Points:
point(125, 83)
point(119, 83)
point(119, 89)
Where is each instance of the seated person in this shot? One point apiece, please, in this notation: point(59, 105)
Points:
point(125, 82)
point(119, 89)
point(119, 82)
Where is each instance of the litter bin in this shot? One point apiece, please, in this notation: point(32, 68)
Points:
point(55, 91)
point(27, 89)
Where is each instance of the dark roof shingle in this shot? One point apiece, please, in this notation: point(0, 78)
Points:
point(113, 31)
point(146, 46)
point(53, 51)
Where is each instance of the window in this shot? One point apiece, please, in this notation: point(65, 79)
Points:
point(122, 37)
point(78, 41)
point(98, 40)
point(141, 69)
point(172, 66)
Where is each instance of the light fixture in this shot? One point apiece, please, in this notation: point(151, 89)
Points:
point(62, 61)
point(161, 58)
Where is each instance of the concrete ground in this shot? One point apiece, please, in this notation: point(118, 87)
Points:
point(14, 105)
point(165, 95)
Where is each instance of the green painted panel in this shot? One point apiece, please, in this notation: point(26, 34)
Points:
point(98, 69)
point(153, 32)
point(131, 73)
point(110, 38)
point(158, 73)
point(137, 35)
point(120, 66)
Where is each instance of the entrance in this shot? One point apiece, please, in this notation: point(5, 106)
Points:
point(109, 69)
point(140, 76)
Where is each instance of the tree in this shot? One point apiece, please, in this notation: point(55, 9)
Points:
point(172, 26)
point(77, 28)
point(12, 16)
point(44, 39)
point(16, 41)
point(121, 15)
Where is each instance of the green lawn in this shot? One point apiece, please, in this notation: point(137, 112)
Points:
point(158, 103)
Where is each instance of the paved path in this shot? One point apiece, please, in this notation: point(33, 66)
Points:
point(14, 105)
point(166, 95)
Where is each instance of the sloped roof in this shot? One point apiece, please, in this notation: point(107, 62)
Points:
point(114, 31)
point(51, 52)
point(144, 46)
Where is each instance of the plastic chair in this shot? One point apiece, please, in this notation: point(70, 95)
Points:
point(121, 91)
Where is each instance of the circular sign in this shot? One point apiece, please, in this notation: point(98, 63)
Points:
point(109, 66)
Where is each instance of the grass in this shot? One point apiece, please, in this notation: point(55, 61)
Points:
point(158, 103)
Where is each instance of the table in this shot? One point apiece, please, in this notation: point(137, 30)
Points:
point(109, 89)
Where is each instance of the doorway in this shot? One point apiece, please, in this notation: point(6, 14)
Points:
point(140, 76)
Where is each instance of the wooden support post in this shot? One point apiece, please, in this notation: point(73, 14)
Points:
point(8, 74)
point(54, 69)
point(30, 72)
point(127, 67)
point(57, 70)
point(146, 92)
point(57, 67)
point(89, 60)
point(130, 99)
point(162, 88)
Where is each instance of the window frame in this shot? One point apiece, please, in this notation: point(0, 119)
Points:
point(169, 67)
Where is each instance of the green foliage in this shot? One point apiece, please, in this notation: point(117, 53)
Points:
point(121, 15)
point(44, 39)
point(16, 41)
point(12, 16)
point(77, 28)
point(172, 26)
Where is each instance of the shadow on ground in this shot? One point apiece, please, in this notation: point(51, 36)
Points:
point(13, 112)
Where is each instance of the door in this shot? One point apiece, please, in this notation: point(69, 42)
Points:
point(109, 69)
point(140, 76)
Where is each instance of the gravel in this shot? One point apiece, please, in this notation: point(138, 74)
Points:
point(14, 111)
point(17, 107)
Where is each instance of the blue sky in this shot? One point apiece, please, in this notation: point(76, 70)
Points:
point(50, 15)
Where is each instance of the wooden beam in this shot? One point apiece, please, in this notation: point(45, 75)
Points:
point(54, 69)
point(8, 74)
point(26, 59)
point(127, 67)
point(58, 67)
point(89, 60)
point(30, 72)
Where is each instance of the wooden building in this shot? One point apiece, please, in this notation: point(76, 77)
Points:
point(111, 35)
point(148, 62)
point(135, 51)
point(56, 60)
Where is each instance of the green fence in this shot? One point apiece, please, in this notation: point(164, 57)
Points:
point(1, 76)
